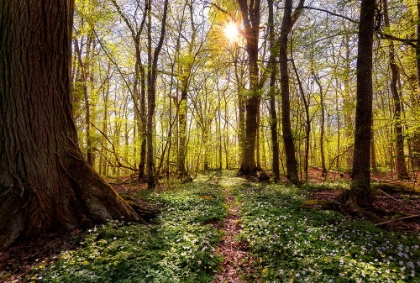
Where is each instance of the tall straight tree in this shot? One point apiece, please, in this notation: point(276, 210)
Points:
point(151, 92)
point(416, 139)
point(289, 19)
point(360, 193)
point(396, 96)
point(273, 77)
point(139, 82)
point(251, 21)
point(45, 184)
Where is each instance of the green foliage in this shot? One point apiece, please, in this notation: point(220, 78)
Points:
point(295, 245)
point(178, 248)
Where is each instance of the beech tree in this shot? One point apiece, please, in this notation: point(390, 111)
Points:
point(360, 193)
point(289, 19)
point(251, 21)
point(45, 184)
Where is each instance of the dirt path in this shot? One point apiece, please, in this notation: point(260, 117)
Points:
point(237, 264)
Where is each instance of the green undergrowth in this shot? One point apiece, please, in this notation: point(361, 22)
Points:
point(179, 247)
point(294, 245)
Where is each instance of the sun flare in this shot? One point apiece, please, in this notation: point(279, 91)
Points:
point(231, 31)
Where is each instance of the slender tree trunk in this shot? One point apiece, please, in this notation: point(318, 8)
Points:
point(182, 135)
point(348, 105)
point(273, 113)
point(322, 134)
point(360, 192)
point(81, 84)
point(151, 96)
point(139, 83)
point(307, 121)
point(398, 127)
point(241, 108)
point(416, 138)
point(45, 184)
point(289, 20)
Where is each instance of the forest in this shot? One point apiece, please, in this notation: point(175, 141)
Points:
point(209, 141)
point(203, 81)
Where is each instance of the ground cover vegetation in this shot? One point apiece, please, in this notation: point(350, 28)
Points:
point(285, 242)
point(178, 247)
point(300, 245)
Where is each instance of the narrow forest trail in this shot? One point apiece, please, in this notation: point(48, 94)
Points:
point(237, 263)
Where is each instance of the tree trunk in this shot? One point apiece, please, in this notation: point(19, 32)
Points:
point(251, 21)
point(395, 78)
point(45, 183)
point(273, 113)
point(289, 20)
point(360, 192)
point(81, 85)
point(151, 96)
point(322, 134)
point(416, 138)
point(306, 102)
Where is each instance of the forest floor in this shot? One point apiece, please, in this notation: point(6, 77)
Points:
point(24, 263)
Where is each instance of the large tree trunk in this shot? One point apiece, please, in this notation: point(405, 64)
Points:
point(251, 21)
point(44, 182)
point(360, 192)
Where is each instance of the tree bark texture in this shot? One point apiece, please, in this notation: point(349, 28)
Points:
point(272, 92)
point(360, 186)
point(151, 96)
point(45, 184)
point(416, 138)
point(251, 21)
point(398, 127)
point(289, 20)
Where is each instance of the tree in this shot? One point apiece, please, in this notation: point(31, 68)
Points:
point(273, 77)
point(139, 81)
point(360, 193)
point(289, 19)
point(151, 92)
point(395, 79)
point(45, 184)
point(251, 22)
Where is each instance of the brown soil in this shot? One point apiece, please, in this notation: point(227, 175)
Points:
point(237, 263)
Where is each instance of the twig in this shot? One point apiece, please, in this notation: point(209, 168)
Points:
point(388, 195)
point(397, 219)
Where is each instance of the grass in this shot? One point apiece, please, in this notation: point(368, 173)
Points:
point(290, 244)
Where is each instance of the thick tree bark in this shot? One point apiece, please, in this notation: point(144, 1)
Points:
point(360, 192)
point(44, 182)
point(289, 20)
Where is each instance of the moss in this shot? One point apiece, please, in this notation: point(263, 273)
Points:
point(320, 205)
point(396, 188)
